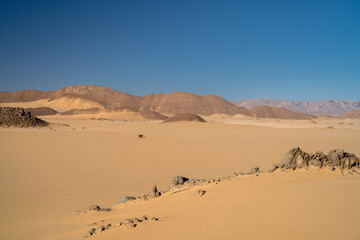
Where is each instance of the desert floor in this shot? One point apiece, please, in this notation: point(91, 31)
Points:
point(50, 176)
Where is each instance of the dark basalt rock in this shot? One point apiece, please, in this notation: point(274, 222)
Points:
point(19, 117)
point(337, 158)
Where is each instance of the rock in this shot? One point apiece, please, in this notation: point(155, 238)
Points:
point(100, 229)
point(199, 193)
point(127, 221)
point(126, 199)
point(19, 117)
point(94, 208)
point(144, 218)
point(289, 159)
point(153, 192)
point(254, 170)
point(196, 181)
point(132, 225)
point(315, 163)
point(300, 162)
point(335, 156)
point(273, 168)
point(97, 208)
point(90, 232)
point(154, 219)
point(179, 180)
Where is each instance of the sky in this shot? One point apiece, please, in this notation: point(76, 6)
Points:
point(294, 50)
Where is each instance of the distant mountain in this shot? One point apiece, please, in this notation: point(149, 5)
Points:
point(97, 96)
point(309, 107)
point(274, 112)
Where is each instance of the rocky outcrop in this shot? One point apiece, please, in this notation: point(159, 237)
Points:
point(337, 158)
point(19, 117)
point(153, 192)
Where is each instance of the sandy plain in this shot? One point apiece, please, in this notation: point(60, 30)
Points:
point(49, 175)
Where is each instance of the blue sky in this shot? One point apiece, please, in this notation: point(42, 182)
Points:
point(296, 50)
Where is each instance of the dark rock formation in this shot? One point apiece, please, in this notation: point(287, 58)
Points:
point(153, 192)
point(179, 180)
point(97, 208)
point(337, 158)
point(19, 117)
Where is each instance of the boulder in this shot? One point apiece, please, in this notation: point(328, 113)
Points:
point(90, 232)
point(254, 170)
point(179, 180)
point(100, 229)
point(300, 162)
point(289, 160)
point(199, 193)
point(153, 192)
point(94, 208)
point(126, 199)
point(335, 156)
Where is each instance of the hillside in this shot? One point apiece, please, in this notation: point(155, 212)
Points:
point(309, 107)
point(273, 112)
point(352, 114)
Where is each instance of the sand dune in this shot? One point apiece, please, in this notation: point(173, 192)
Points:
point(48, 175)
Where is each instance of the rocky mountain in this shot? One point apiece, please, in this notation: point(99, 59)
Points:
point(97, 96)
point(309, 107)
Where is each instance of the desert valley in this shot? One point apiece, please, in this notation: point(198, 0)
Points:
point(88, 162)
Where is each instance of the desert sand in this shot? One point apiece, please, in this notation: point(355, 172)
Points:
point(49, 177)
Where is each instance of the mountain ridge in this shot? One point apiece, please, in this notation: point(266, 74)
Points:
point(329, 106)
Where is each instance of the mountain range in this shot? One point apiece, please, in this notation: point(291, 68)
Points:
point(337, 107)
point(91, 97)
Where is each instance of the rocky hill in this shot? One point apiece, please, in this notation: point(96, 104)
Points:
point(19, 117)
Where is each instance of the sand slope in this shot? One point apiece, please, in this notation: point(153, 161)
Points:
point(48, 175)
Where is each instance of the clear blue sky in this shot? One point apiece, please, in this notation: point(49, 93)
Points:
point(296, 50)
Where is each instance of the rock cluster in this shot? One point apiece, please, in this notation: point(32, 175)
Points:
point(337, 158)
point(180, 180)
point(19, 117)
point(130, 222)
point(97, 208)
